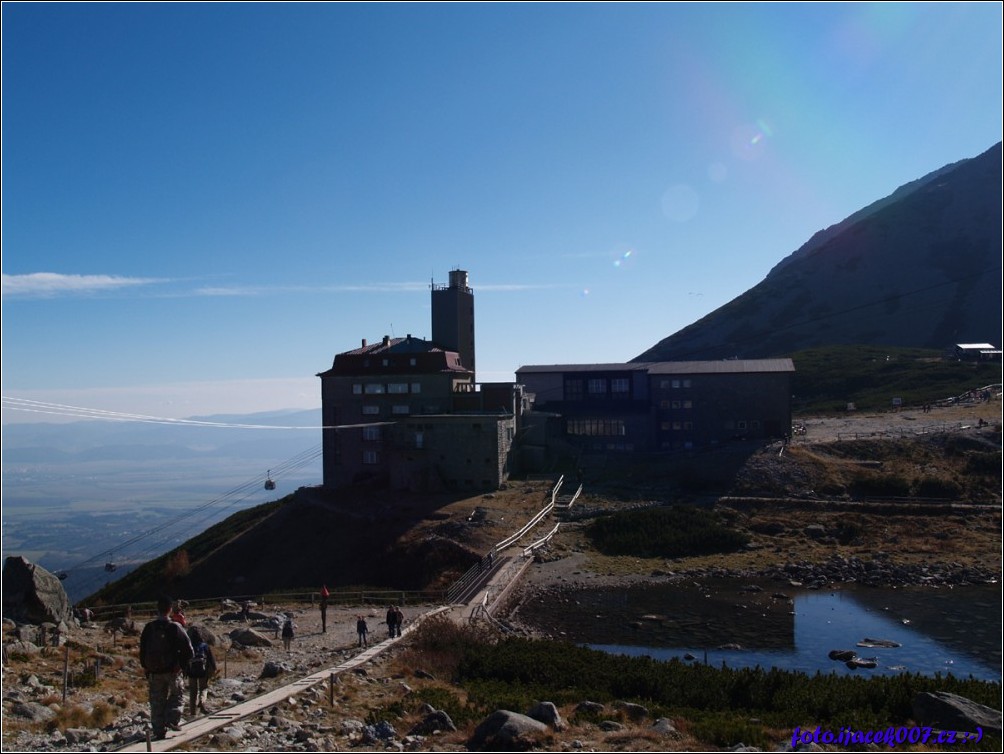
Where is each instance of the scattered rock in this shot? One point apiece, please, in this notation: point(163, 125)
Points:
point(954, 712)
point(547, 713)
point(503, 730)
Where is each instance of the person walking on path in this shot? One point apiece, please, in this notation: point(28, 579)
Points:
point(288, 632)
point(398, 621)
point(324, 608)
point(164, 651)
point(391, 621)
point(362, 629)
point(201, 668)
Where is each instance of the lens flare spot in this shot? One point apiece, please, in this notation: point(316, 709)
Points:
point(624, 259)
point(750, 139)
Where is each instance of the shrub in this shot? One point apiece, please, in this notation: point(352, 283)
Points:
point(665, 532)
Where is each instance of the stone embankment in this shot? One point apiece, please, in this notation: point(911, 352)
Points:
point(879, 571)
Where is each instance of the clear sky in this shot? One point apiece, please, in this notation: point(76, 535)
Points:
point(204, 203)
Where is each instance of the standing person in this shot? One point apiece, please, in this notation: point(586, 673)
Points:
point(201, 668)
point(178, 615)
point(324, 608)
point(398, 620)
point(391, 621)
point(362, 629)
point(164, 650)
point(288, 632)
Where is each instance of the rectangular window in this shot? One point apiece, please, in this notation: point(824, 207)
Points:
point(371, 410)
point(676, 384)
point(663, 404)
point(374, 388)
point(357, 389)
point(371, 434)
point(596, 427)
point(688, 404)
point(620, 387)
point(416, 387)
point(419, 440)
point(597, 387)
point(398, 388)
point(664, 384)
point(676, 404)
point(573, 390)
point(741, 424)
point(371, 457)
point(400, 409)
point(686, 383)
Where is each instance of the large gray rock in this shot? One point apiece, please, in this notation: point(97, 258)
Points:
point(548, 714)
point(954, 712)
point(435, 720)
point(248, 637)
point(503, 730)
point(33, 595)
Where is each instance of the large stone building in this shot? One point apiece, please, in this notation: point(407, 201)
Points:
point(660, 406)
point(407, 413)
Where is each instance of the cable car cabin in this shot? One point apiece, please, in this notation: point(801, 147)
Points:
point(110, 567)
point(269, 484)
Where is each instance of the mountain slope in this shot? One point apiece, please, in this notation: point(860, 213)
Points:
point(920, 268)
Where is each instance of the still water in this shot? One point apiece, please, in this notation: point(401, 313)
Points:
point(955, 631)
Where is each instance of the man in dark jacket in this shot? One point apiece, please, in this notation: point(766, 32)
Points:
point(164, 651)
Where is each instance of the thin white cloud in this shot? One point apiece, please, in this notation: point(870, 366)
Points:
point(53, 284)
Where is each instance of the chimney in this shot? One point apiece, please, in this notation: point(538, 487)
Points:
point(386, 340)
point(364, 342)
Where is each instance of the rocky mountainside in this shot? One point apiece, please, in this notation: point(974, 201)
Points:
point(920, 268)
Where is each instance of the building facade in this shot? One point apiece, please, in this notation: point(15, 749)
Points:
point(407, 413)
point(660, 406)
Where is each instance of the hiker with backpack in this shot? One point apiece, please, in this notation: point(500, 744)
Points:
point(201, 668)
point(164, 651)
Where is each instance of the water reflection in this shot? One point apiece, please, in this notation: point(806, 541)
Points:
point(954, 631)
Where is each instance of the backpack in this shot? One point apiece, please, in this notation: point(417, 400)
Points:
point(159, 645)
point(198, 666)
point(287, 630)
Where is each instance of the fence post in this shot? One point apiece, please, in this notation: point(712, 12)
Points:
point(66, 669)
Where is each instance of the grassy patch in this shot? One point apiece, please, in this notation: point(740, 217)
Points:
point(827, 379)
point(671, 532)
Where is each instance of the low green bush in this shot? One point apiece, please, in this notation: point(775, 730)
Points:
point(665, 532)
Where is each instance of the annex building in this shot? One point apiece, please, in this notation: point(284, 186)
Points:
point(660, 406)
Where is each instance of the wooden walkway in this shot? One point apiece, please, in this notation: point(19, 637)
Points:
point(204, 725)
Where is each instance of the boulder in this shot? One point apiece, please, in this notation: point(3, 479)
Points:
point(503, 730)
point(954, 712)
point(589, 708)
point(842, 655)
point(33, 595)
point(248, 637)
point(436, 720)
point(631, 710)
point(548, 714)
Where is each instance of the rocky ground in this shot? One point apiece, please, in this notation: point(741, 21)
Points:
point(381, 706)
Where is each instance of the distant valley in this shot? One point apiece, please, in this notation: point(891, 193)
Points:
point(80, 494)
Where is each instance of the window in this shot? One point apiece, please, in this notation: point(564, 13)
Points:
point(416, 387)
point(371, 434)
point(676, 404)
point(686, 383)
point(374, 388)
point(386, 362)
point(663, 404)
point(596, 427)
point(688, 404)
point(597, 387)
point(401, 409)
point(371, 457)
point(419, 440)
point(620, 387)
point(664, 384)
point(573, 390)
point(398, 388)
point(371, 410)
point(357, 389)
point(741, 424)
point(412, 361)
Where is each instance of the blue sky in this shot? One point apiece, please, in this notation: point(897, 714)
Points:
point(204, 203)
